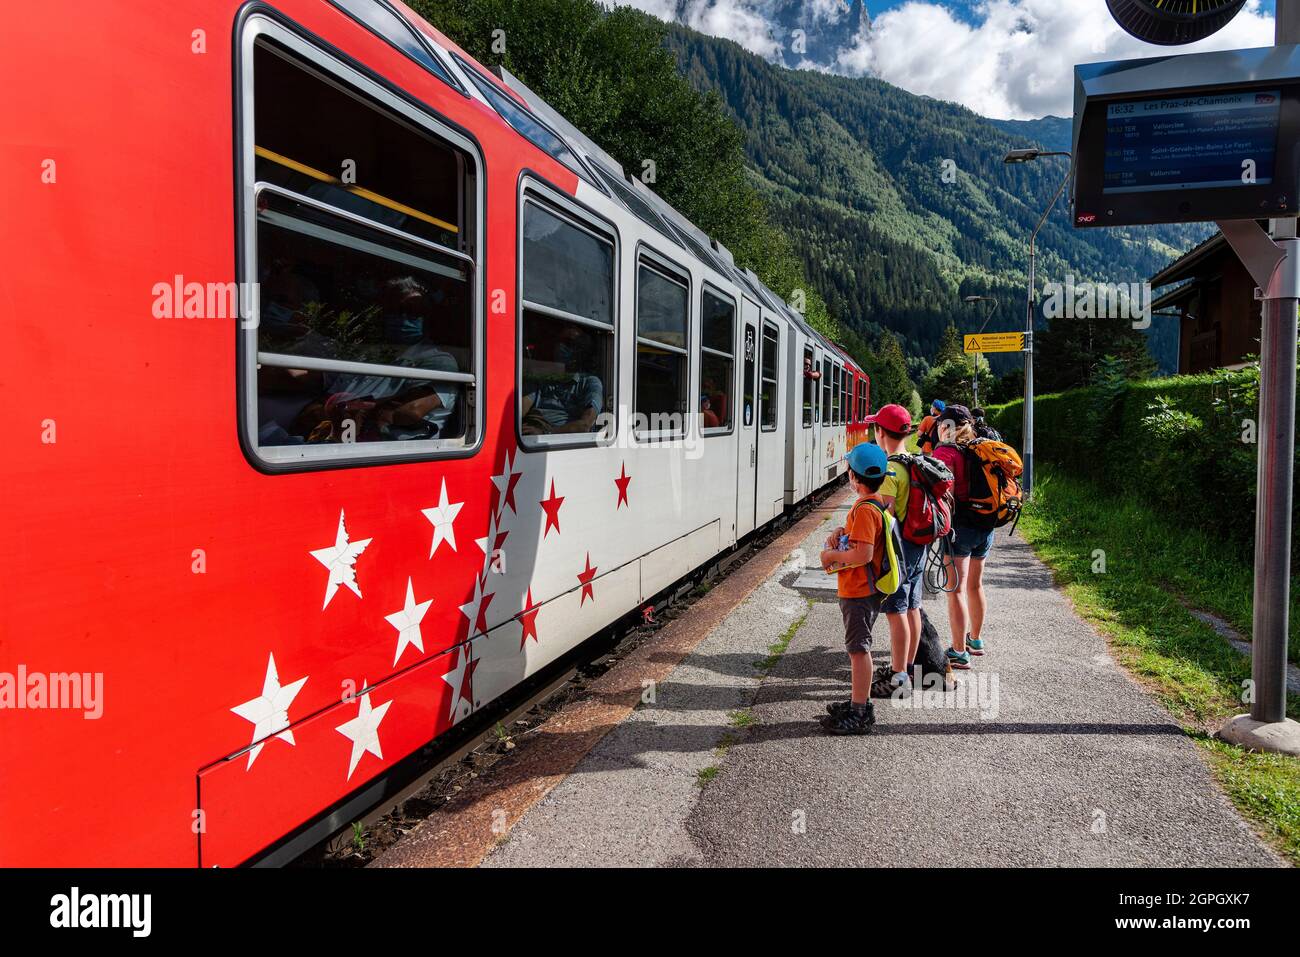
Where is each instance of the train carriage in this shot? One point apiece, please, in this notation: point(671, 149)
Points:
point(354, 388)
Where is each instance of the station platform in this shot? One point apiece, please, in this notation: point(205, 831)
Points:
point(702, 748)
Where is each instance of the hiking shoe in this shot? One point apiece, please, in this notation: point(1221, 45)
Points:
point(850, 722)
point(975, 645)
point(836, 708)
point(960, 661)
point(886, 687)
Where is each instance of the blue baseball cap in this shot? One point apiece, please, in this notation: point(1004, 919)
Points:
point(868, 460)
point(939, 404)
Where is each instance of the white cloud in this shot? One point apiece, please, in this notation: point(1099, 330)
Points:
point(1017, 60)
point(1014, 61)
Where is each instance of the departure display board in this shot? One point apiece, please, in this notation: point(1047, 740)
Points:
point(1192, 142)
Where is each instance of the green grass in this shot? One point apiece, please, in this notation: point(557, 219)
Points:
point(743, 718)
point(704, 776)
point(1153, 566)
point(777, 648)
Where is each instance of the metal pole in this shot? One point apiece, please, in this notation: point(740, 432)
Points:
point(1277, 383)
point(1027, 454)
point(1027, 450)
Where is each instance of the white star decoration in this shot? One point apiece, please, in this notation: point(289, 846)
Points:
point(363, 730)
point(407, 622)
point(456, 679)
point(443, 517)
point(269, 712)
point(340, 560)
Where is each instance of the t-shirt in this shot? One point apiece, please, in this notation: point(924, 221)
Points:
point(567, 400)
point(924, 430)
point(865, 524)
point(898, 483)
point(955, 459)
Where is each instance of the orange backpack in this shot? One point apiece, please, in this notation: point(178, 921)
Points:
point(993, 494)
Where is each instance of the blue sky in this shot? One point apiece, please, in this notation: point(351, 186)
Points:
point(1010, 59)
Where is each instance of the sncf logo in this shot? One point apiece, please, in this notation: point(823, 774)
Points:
point(1265, 99)
point(1086, 218)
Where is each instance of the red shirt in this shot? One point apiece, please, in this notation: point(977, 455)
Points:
point(952, 457)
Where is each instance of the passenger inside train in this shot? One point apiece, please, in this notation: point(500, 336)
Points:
point(561, 394)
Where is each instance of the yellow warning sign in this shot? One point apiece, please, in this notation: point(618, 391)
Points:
point(996, 342)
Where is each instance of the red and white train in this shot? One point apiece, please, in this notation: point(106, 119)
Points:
point(350, 387)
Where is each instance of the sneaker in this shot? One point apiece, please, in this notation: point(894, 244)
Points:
point(885, 687)
point(838, 707)
point(975, 645)
point(850, 722)
point(960, 661)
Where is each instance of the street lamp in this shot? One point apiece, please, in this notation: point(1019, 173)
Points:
point(1016, 157)
point(993, 303)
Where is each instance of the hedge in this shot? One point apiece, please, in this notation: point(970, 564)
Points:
point(1182, 444)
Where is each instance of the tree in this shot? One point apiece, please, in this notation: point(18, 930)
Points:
point(1068, 353)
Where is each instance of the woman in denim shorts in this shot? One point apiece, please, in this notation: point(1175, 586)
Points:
point(970, 545)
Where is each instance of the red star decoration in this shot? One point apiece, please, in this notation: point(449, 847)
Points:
point(510, 491)
point(586, 577)
point(622, 482)
point(467, 685)
point(480, 623)
point(528, 619)
point(552, 509)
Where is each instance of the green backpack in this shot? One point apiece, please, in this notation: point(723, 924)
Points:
point(891, 559)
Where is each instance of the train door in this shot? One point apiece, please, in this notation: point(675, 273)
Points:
point(771, 445)
point(747, 447)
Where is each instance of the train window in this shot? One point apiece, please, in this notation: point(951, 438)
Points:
point(751, 359)
point(844, 395)
point(718, 362)
point(837, 378)
point(770, 391)
point(567, 360)
point(662, 375)
point(526, 124)
point(379, 18)
point(809, 388)
point(364, 342)
point(827, 373)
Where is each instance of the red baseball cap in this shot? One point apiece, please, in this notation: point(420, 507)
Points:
point(895, 418)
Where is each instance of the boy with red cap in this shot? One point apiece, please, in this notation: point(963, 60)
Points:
point(892, 425)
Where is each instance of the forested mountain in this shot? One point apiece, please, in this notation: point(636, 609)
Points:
point(900, 204)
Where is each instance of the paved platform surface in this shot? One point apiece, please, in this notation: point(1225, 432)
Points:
point(1049, 754)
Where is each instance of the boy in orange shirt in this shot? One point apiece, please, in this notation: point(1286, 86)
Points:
point(854, 553)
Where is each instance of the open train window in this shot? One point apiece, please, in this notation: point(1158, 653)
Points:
point(362, 341)
point(567, 381)
point(662, 360)
point(770, 384)
point(809, 388)
point(717, 362)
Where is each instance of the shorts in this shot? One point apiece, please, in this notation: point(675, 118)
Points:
point(908, 595)
point(860, 616)
point(970, 542)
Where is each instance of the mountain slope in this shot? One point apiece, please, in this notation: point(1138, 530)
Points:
point(901, 204)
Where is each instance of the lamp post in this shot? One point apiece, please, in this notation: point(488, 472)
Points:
point(975, 379)
point(1027, 453)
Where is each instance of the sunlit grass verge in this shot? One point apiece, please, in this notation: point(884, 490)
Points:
point(1153, 569)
